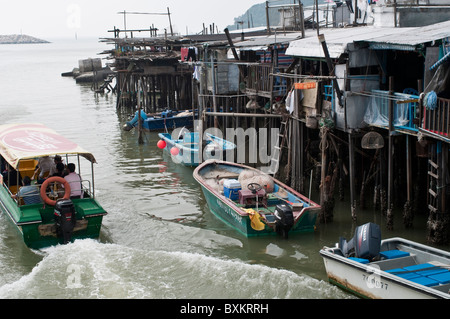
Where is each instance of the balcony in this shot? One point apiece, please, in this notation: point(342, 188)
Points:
point(437, 119)
point(259, 83)
point(405, 107)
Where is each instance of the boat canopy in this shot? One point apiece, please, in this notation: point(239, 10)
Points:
point(34, 140)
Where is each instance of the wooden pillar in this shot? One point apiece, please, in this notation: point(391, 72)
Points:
point(302, 158)
point(213, 75)
point(155, 87)
point(139, 107)
point(407, 209)
point(323, 182)
point(351, 150)
point(389, 215)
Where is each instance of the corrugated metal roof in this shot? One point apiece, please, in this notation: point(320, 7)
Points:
point(259, 41)
point(378, 37)
point(337, 40)
point(415, 35)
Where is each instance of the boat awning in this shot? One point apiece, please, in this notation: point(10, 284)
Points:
point(34, 140)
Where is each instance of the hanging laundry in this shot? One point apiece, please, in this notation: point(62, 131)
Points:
point(192, 54)
point(290, 99)
point(197, 72)
point(184, 54)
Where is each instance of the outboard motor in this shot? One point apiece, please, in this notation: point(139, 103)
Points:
point(284, 219)
point(365, 243)
point(65, 219)
point(132, 123)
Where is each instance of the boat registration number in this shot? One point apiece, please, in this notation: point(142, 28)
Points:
point(374, 281)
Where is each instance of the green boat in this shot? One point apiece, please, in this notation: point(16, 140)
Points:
point(57, 217)
point(253, 202)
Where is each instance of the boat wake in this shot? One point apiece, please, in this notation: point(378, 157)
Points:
point(90, 269)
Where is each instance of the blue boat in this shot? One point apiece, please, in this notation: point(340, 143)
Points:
point(163, 122)
point(252, 202)
point(185, 147)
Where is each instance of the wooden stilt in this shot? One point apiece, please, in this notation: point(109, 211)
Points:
point(389, 215)
point(407, 209)
point(323, 188)
point(352, 175)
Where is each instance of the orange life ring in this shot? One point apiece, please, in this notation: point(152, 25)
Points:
point(44, 185)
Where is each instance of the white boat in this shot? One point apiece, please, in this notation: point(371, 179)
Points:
point(393, 268)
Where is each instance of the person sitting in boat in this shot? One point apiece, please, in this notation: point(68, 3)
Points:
point(43, 167)
point(29, 194)
point(76, 189)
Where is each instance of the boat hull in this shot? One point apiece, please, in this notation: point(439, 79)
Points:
point(168, 120)
point(168, 123)
point(371, 281)
point(233, 215)
point(36, 225)
point(222, 209)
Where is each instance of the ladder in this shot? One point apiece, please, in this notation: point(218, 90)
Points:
point(282, 137)
point(433, 179)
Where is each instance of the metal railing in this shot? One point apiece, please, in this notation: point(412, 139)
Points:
point(86, 190)
point(437, 120)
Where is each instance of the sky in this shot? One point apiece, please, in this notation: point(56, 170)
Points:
point(47, 19)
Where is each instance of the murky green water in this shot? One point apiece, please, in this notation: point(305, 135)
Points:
point(159, 239)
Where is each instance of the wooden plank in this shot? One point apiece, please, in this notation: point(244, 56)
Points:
point(433, 164)
point(433, 174)
point(408, 101)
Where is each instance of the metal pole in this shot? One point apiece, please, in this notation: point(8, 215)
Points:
point(267, 17)
point(170, 21)
point(330, 67)
point(242, 114)
point(390, 221)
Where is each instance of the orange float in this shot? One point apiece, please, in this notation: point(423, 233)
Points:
point(49, 180)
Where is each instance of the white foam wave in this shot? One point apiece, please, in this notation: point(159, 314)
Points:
point(89, 269)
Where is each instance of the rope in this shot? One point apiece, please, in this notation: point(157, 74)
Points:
point(325, 122)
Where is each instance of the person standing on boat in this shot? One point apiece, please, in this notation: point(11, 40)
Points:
point(44, 166)
point(74, 181)
point(29, 194)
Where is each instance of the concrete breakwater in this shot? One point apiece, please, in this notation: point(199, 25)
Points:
point(19, 39)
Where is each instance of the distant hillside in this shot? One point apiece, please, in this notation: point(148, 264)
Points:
point(19, 39)
point(256, 15)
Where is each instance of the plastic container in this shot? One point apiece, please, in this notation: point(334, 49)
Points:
point(231, 189)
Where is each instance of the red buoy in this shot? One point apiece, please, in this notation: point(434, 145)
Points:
point(174, 151)
point(161, 144)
